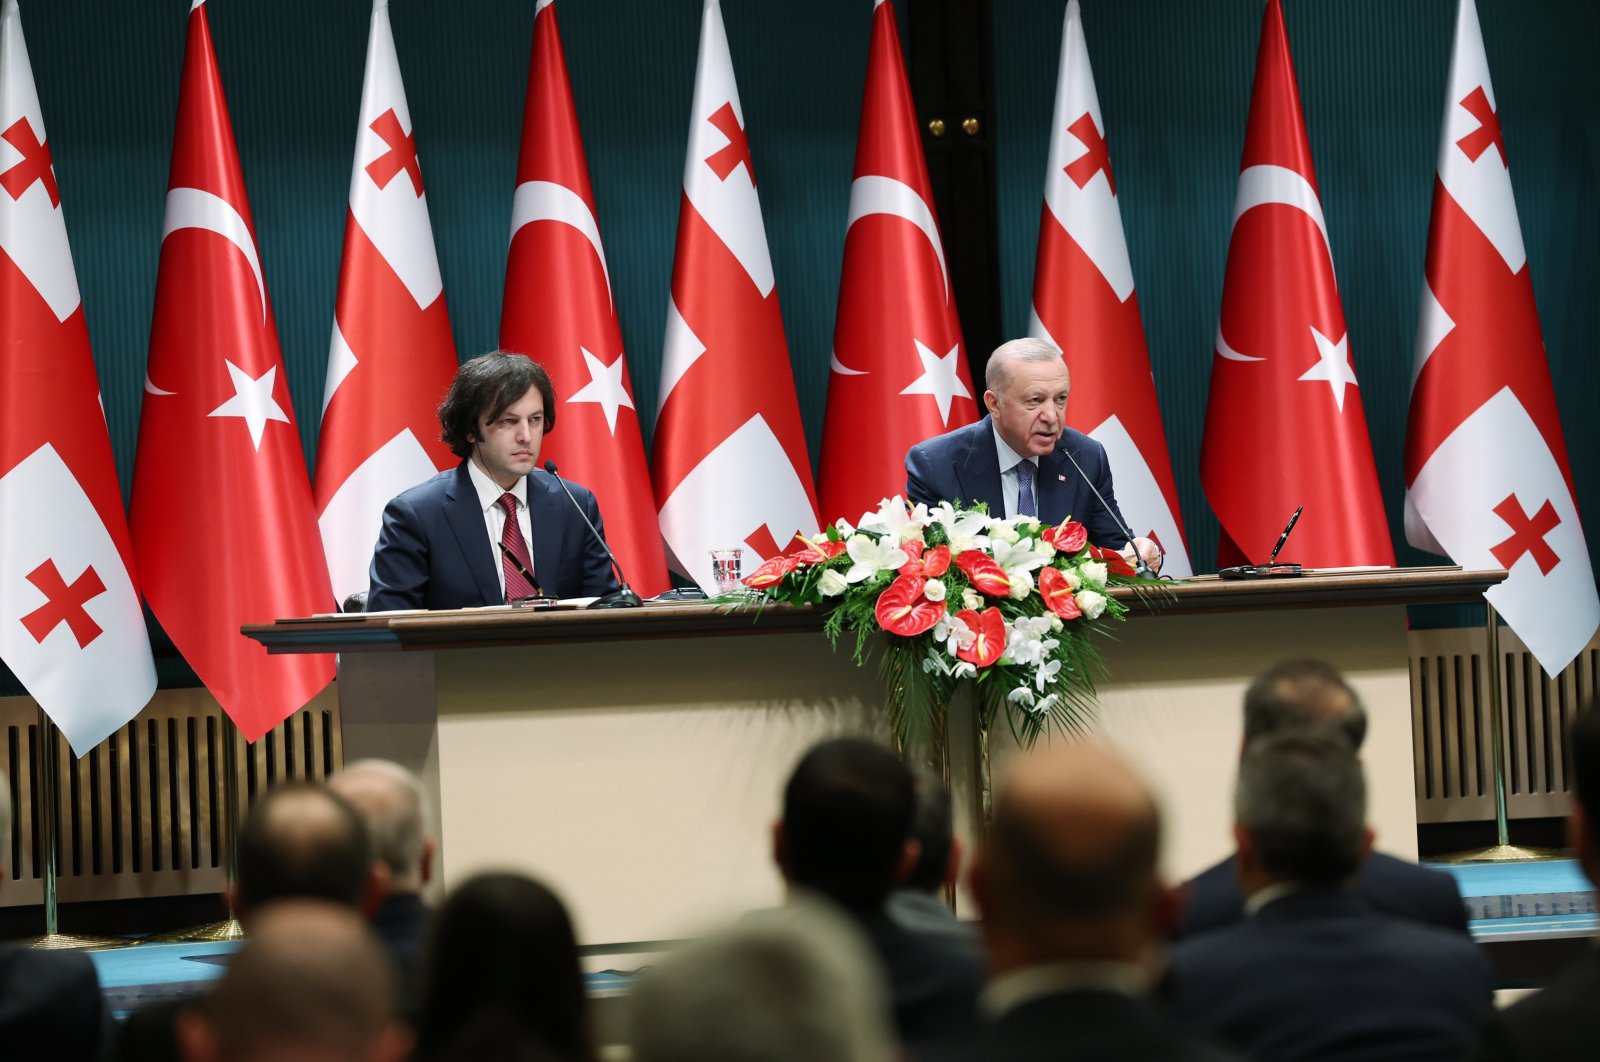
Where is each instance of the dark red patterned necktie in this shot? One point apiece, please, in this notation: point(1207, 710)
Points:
point(514, 558)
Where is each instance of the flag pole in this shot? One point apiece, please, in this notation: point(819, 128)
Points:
point(47, 799)
point(229, 927)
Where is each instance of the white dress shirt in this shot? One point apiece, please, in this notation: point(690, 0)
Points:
point(1008, 460)
point(494, 517)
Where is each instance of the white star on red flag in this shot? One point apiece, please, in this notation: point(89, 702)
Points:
point(252, 401)
point(605, 387)
point(1333, 365)
point(940, 378)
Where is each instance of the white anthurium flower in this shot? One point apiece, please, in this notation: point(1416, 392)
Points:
point(871, 556)
point(935, 591)
point(970, 598)
point(1093, 572)
point(1021, 584)
point(1091, 603)
point(1021, 695)
point(832, 584)
point(1046, 673)
point(1022, 555)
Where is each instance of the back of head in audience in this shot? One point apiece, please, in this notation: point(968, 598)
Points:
point(1584, 825)
point(846, 818)
point(503, 953)
point(310, 985)
point(301, 841)
point(395, 807)
point(1300, 811)
point(1295, 693)
point(796, 984)
point(1069, 869)
point(933, 828)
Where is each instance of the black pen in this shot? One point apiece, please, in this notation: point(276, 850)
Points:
point(1284, 537)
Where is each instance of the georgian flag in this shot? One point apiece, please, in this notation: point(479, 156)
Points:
point(392, 356)
point(1084, 304)
point(71, 627)
point(730, 466)
point(1488, 482)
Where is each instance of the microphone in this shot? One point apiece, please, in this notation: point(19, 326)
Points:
point(505, 551)
point(1139, 566)
point(623, 596)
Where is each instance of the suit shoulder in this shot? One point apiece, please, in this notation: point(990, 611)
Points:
point(435, 486)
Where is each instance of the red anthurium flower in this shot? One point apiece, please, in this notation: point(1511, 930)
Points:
point(984, 574)
point(990, 628)
point(772, 572)
point(1116, 563)
point(1069, 536)
point(930, 565)
point(819, 552)
point(1057, 594)
point(902, 609)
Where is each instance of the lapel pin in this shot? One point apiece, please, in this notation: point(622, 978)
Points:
point(1061, 478)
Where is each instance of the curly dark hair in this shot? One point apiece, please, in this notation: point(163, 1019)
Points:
point(483, 389)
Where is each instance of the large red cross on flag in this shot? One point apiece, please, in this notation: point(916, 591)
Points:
point(1084, 304)
point(560, 311)
point(1285, 425)
point(899, 372)
point(1488, 482)
point(223, 523)
point(392, 356)
point(730, 466)
point(71, 627)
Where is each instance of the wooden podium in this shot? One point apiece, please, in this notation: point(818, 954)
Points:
point(635, 758)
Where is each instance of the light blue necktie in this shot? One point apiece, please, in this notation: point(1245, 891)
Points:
point(1025, 502)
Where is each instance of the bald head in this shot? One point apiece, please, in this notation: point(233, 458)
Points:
point(394, 805)
point(997, 371)
point(312, 982)
point(1072, 855)
point(302, 841)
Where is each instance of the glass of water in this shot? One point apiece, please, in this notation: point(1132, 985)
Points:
point(725, 565)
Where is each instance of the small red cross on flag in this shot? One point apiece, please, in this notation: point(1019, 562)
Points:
point(35, 164)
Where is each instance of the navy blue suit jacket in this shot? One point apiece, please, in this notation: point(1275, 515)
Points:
point(1392, 886)
point(51, 1006)
point(961, 467)
point(1320, 975)
point(434, 550)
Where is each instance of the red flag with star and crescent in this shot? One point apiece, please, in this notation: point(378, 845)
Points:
point(392, 357)
point(1488, 482)
point(71, 627)
point(1285, 425)
point(560, 310)
point(731, 467)
point(899, 371)
point(1085, 305)
point(223, 524)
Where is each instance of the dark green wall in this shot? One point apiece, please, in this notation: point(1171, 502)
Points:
point(1173, 76)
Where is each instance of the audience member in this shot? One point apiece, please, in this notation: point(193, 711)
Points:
point(1073, 910)
point(312, 984)
point(796, 984)
point(845, 834)
point(1562, 1021)
point(919, 903)
point(1287, 696)
point(502, 957)
point(394, 805)
point(50, 1002)
point(1313, 972)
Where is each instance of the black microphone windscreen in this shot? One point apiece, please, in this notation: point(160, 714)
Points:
point(550, 467)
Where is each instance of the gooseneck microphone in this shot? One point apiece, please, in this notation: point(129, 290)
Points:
point(623, 596)
point(1139, 566)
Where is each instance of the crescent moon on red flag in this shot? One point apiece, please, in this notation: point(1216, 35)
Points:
point(885, 195)
point(1262, 186)
point(835, 365)
point(547, 201)
point(191, 208)
point(152, 389)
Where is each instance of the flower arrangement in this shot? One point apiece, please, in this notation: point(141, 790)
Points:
point(1009, 604)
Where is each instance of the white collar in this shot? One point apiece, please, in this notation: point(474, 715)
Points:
point(1008, 457)
point(489, 491)
point(1011, 990)
point(1261, 897)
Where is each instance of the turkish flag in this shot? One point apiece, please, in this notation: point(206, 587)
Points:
point(71, 627)
point(899, 372)
point(392, 357)
point(1488, 482)
point(730, 466)
point(1285, 424)
point(1084, 304)
point(223, 524)
point(560, 311)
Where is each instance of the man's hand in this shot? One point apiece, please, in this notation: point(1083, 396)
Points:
point(1147, 549)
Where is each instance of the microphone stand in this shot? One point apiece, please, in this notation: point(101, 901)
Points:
point(623, 596)
point(1140, 567)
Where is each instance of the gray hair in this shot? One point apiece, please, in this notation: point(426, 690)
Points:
point(1303, 692)
point(1302, 798)
point(394, 804)
point(997, 372)
point(790, 985)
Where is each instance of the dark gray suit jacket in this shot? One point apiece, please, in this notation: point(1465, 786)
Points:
point(961, 467)
point(50, 1006)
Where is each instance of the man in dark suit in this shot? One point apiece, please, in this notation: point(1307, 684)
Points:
point(1014, 458)
point(1313, 972)
point(1290, 695)
point(50, 1002)
point(1073, 911)
point(1561, 1021)
point(462, 538)
point(845, 835)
